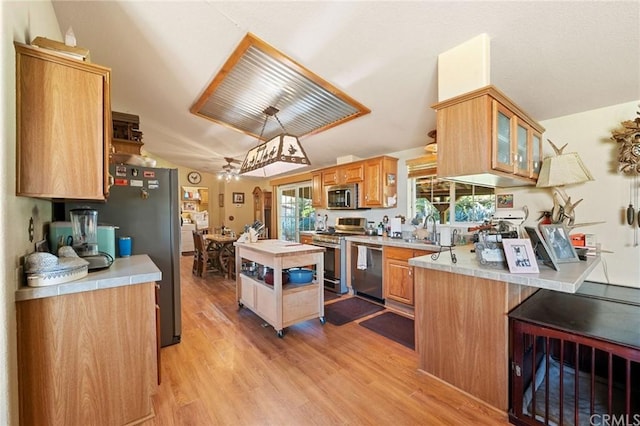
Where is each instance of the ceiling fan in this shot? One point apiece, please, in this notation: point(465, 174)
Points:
point(229, 172)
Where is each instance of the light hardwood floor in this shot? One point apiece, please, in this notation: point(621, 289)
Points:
point(229, 369)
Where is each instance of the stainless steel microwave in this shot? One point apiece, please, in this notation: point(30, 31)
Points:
point(342, 197)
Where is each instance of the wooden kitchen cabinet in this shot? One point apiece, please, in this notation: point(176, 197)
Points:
point(348, 173)
point(89, 357)
point(376, 178)
point(379, 186)
point(63, 111)
point(317, 196)
point(330, 176)
point(306, 239)
point(398, 274)
point(484, 138)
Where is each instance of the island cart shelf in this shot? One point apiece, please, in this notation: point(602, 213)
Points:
point(281, 305)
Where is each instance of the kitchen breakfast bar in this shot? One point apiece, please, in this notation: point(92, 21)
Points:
point(462, 323)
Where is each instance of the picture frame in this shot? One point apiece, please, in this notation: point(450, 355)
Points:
point(520, 256)
point(238, 198)
point(540, 247)
point(557, 237)
point(189, 206)
point(504, 201)
point(220, 200)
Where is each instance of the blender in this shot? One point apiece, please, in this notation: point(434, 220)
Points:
point(84, 227)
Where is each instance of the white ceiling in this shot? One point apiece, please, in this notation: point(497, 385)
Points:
point(551, 58)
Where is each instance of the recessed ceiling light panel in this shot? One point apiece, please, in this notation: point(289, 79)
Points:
point(257, 76)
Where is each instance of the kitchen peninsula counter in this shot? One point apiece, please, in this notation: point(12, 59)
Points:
point(124, 271)
point(461, 317)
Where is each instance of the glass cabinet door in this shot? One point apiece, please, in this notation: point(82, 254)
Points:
point(502, 139)
point(536, 154)
point(522, 150)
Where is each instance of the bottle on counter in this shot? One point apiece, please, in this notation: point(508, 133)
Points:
point(380, 228)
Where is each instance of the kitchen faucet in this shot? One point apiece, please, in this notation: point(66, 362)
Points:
point(434, 231)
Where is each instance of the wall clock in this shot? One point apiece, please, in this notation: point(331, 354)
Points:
point(194, 177)
point(629, 142)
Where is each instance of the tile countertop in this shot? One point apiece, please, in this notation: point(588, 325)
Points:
point(132, 270)
point(568, 279)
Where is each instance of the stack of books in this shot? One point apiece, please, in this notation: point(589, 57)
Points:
point(74, 52)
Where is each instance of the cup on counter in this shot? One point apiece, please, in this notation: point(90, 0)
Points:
point(124, 245)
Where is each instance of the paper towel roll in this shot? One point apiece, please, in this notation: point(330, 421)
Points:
point(396, 225)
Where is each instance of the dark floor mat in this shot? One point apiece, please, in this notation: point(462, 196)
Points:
point(393, 326)
point(330, 295)
point(344, 311)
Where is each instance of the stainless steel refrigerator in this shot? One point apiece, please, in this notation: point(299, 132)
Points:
point(144, 204)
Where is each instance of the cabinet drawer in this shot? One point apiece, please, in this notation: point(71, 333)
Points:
point(300, 304)
point(398, 253)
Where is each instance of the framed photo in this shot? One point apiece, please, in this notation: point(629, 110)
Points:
point(541, 248)
point(520, 255)
point(557, 237)
point(189, 206)
point(220, 200)
point(504, 201)
point(238, 198)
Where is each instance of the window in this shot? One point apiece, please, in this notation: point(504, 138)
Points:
point(296, 212)
point(433, 196)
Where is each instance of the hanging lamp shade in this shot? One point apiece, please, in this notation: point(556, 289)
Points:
point(281, 154)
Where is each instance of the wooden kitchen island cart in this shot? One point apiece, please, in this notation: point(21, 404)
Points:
point(280, 305)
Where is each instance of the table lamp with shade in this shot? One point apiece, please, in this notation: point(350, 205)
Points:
point(558, 171)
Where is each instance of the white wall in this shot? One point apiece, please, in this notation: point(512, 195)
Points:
point(21, 21)
point(605, 198)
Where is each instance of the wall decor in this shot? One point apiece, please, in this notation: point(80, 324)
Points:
point(238, 198)
point(504, 201)
point(629, 145)
point(520, 255)
point(220, 200)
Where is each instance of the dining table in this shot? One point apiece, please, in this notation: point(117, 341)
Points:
point(221, 246)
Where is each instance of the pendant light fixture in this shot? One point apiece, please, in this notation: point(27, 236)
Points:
point(278, 155)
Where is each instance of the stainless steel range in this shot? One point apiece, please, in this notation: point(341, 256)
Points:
point(335, 257)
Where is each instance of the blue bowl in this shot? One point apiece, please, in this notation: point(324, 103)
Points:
point(300, 275)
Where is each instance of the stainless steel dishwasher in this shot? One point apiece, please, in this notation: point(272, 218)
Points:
point(366, 280)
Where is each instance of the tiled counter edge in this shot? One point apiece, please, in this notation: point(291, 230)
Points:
point(568, 279)
point(132, 270)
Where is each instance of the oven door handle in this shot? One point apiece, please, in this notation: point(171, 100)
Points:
point(327, 245)
point(369, 247)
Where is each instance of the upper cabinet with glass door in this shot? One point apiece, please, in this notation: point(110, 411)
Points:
point(486, 139)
